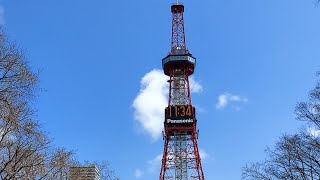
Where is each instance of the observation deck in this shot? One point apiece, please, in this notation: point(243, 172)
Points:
point(179, 61)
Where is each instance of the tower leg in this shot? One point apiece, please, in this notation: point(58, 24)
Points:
point(181, 158)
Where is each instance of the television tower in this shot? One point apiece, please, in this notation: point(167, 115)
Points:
point(181, 158)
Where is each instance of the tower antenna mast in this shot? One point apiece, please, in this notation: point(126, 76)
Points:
point(181, 158)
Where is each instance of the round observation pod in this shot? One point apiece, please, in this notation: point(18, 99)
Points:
point(179, 61)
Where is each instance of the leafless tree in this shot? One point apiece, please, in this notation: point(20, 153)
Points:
point(25, 151)
point(294, 156)
point(19, 136)
point(310, 111)
point(57, 165)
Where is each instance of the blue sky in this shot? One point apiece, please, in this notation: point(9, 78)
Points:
point(257, 57)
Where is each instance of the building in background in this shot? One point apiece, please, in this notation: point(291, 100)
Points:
point(84, 173)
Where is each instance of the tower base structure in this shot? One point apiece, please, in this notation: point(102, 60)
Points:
point(181, 157)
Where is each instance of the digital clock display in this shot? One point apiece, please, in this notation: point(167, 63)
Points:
point(180, 112)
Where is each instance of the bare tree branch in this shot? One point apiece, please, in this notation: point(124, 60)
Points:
point(25, 150)
point(294, 156)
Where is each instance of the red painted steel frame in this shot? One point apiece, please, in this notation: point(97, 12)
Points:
point(186, 154)
point(178, 40)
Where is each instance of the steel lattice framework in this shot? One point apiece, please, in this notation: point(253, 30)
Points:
point(181, 158)
point(178, 40)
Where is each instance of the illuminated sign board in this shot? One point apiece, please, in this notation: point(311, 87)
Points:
point(179, 114)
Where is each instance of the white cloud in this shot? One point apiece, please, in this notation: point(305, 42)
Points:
point(156, 160)
point(203, 154)
point(152, 99)
point(150, 103)
point(194, 85)
point(227, 98)
point(155, 163)
point(314, 132)
point(138, 173)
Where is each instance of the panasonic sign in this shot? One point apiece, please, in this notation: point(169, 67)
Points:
point(180, 121)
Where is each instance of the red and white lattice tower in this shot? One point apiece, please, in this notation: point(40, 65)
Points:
point(181, 158)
